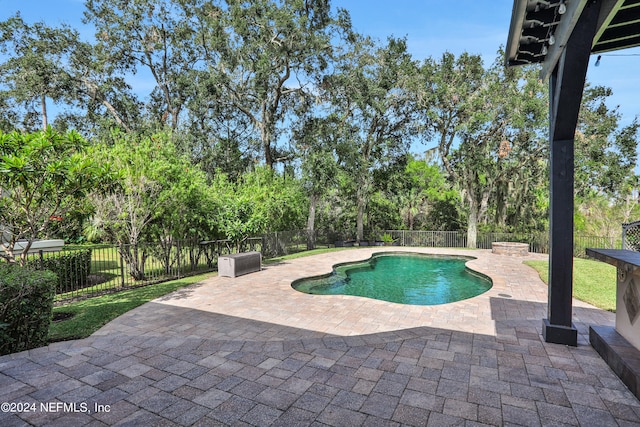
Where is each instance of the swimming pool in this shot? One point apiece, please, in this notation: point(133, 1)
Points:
point(405, 278)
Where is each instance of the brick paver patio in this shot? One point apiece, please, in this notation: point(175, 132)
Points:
point(253, 351)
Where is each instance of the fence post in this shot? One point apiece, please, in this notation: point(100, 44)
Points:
point(121, 266)
point(179, 257)
point(191, 259)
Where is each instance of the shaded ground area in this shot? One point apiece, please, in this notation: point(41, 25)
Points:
point(252, 351)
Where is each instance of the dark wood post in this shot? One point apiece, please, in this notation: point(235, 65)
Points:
point(566, 86)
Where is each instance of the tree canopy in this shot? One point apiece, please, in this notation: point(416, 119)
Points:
point(276, 114)
point(43, 176)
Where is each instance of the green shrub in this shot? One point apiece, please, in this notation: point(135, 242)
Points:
point(72, 268)
point(26, 304)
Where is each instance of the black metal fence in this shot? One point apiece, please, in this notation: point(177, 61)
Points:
point(91, 270)
point(287, 242)
point(111, 268)
point(538, 242)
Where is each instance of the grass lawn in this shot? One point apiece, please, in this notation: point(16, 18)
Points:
point(594, 282)
point(91, 314)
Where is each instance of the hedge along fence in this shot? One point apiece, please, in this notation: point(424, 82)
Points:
point(72, 267)
point(26, 304)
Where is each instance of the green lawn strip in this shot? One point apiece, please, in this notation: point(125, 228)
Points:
point(594, 282)
point(91, 314)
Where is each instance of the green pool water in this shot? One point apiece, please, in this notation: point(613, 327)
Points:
point(402, 278)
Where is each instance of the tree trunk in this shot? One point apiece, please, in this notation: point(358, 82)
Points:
point(135, 261)
point(311, 221)
point(266, 132)
point(115, 115)
point(410, 214)
point(502, 205)
point(360, 219)
point(472, 226)
point(266, 146)
point(92, 90)
point(43, 104)
point(484, 204)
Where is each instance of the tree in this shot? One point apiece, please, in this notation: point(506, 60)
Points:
point(260, 202)
point(51, 64)
point(7, 115)
point(521, 178)
point(316, 141)
point(101, 92)
point(606, 182)
point(423, 196)
point(372, 93)
point(231, 76)
point(597, 215)
point(270, 56)
point(157, 36)
point(43, 175)
point(452, 89)
point(605, 154)
point(157, 195)
point(490, 125)
point(34, 71)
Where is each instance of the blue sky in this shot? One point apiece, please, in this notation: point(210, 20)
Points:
point(431, 27)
